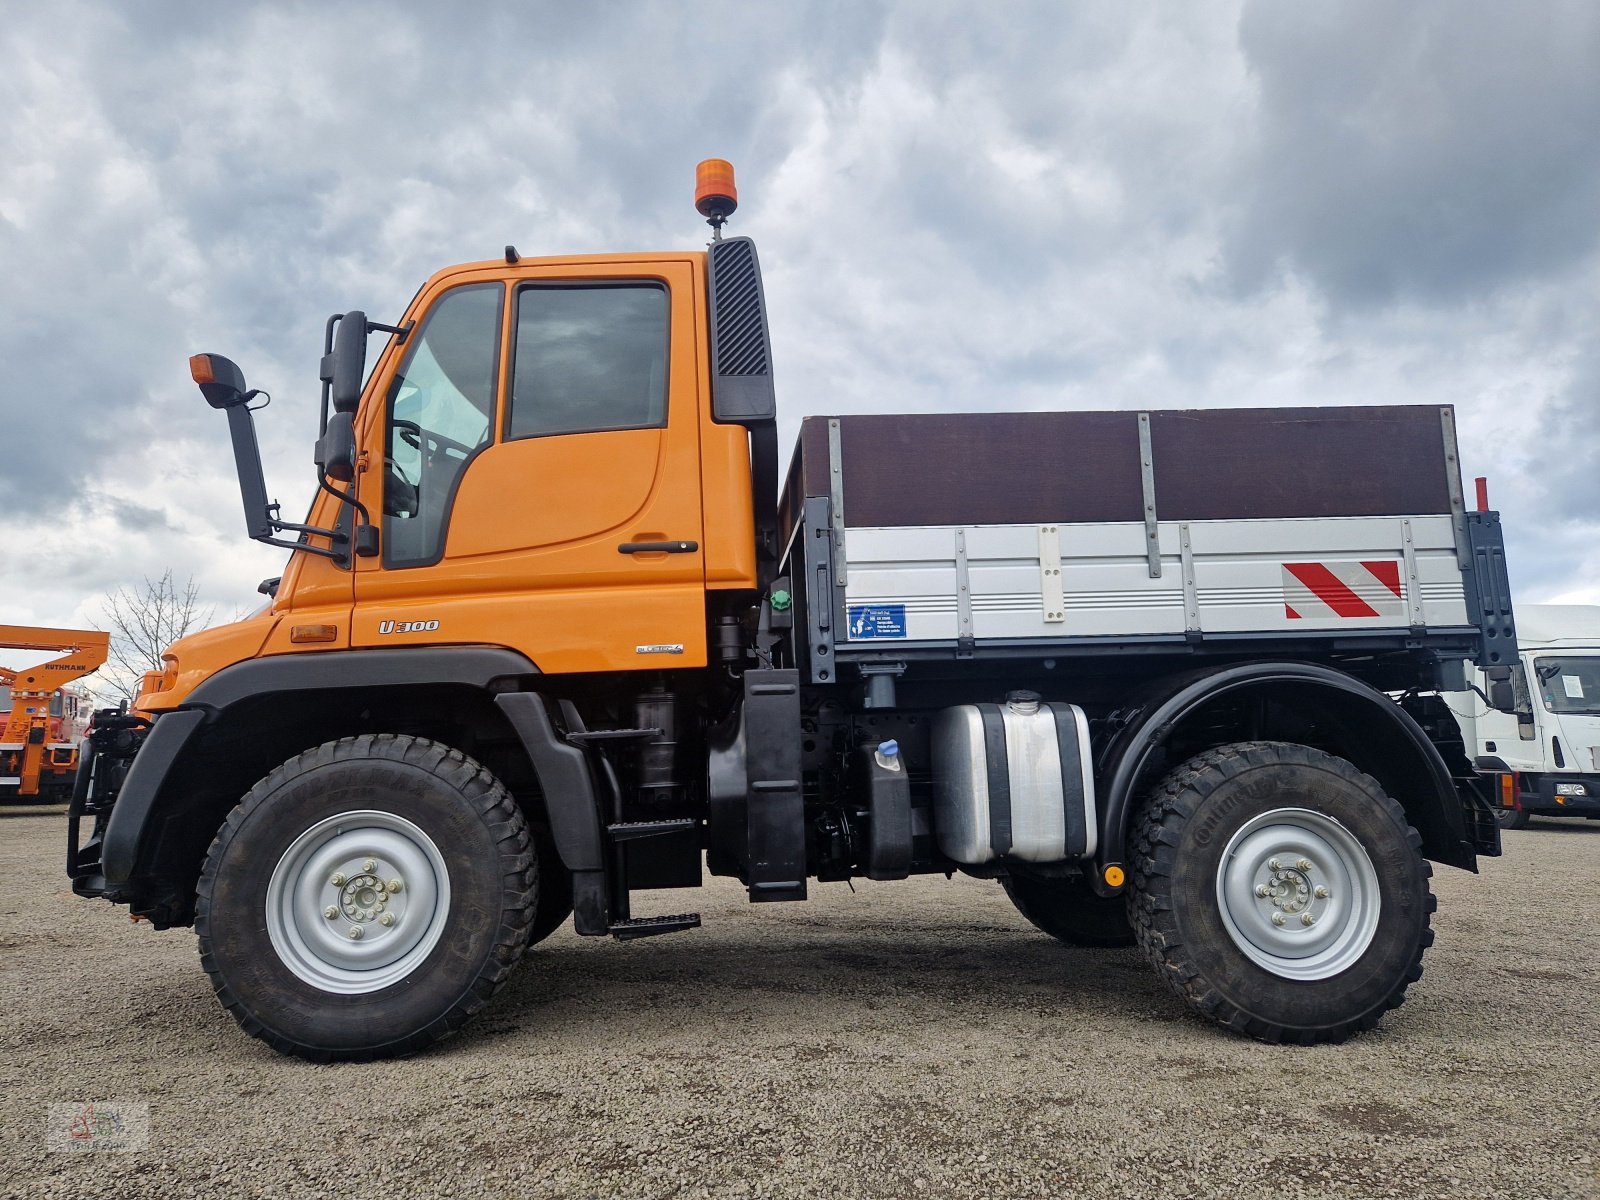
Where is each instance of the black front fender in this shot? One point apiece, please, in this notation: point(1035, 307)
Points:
point(133, 827)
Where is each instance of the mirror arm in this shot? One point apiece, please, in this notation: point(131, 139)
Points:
point(400, 331)
point(336, 551)
point(347, 497)
point(338, 556)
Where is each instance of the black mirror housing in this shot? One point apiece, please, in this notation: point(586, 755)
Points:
point(349, 364)
point(336, 448)
point(1503, 697)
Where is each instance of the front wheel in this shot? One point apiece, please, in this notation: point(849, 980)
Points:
point(1280, 892)
point(366, 898)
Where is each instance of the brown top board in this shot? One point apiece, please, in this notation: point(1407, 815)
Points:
point(1210, 464)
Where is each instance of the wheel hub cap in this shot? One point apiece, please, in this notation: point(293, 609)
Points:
point(1298, 894)
point(357, 902)
point(363, 898)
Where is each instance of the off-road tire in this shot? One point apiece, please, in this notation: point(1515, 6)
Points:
point(1070, 911)
point(1177, 842)
point(492, 873)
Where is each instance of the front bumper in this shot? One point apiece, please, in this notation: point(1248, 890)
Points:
point(1559, 795)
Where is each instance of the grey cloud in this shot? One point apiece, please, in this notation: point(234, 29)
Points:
point(1034, 205)
point(1431, 150)
point(132, 516)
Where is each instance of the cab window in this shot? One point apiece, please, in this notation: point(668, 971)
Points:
point(588, 358)
point(440, 413)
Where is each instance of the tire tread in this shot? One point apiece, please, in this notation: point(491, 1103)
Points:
point(1153, 842)
point(477, 788)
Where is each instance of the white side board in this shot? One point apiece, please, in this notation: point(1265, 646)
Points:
point(938, 583)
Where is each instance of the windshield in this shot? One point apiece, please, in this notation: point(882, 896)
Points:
point(439, 409)
point(1569, 684)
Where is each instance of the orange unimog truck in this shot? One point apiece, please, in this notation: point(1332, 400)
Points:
point(553, 633)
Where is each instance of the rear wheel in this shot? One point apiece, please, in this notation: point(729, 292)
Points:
point(366, 898)
point(1280, 892)
point(1070, 911)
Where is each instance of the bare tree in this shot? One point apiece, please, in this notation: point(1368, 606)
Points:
point(142, 623)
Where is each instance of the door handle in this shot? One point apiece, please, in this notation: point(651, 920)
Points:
point(658, 547)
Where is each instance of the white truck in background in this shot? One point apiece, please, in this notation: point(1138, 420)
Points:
point(1546, 753)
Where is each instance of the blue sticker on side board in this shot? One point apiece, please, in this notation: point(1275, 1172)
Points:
point(877, 621)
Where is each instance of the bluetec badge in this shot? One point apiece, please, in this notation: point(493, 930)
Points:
point(877, 621)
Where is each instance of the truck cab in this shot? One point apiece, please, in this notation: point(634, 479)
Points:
point(1545, 753)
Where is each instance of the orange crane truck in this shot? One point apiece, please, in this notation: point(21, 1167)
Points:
point(553, 632)
point(44, 722)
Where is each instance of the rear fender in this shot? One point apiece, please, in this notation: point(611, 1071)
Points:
point(1352, 719)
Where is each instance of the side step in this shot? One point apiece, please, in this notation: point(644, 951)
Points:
point(627, 831)
point(627, 931)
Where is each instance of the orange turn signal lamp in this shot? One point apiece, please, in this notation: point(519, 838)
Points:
point(200, 368)
point(314, 633)
point(715, 196)
point(1508, 790)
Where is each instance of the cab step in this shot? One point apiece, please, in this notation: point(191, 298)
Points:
point(627, 831)
point(627, 931)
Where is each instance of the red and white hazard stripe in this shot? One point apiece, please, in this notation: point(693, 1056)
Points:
point(1346, 588)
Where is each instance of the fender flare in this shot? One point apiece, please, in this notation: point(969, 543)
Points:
point(128, 829)
point(1126, 758)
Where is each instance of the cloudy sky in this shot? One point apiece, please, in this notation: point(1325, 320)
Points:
point(959, 206)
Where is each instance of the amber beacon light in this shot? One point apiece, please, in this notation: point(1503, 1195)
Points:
point(715, 197)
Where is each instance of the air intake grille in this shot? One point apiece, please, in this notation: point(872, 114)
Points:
point(741, 332)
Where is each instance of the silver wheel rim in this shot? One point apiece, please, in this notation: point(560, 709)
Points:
point(1298, 894)
point(357, 902)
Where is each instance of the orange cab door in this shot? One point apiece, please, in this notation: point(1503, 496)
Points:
point(542, 472)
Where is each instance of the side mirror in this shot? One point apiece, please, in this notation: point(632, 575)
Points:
point(336, 448)
point(220, 379)
point(1502, 692)
point(349, 364)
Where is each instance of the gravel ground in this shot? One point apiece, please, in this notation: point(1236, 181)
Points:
point(909, 1039)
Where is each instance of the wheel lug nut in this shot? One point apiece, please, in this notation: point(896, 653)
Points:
point(386, 920)
point(369, 865)
point(394, 885)
point(1263, 890)
point(1307, 919)
point(1304, 864)
point(1274, 865)
point(337, 880)
point(355, 933)
point(1277, 918)
point(1322, 892)
point(331, 913)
